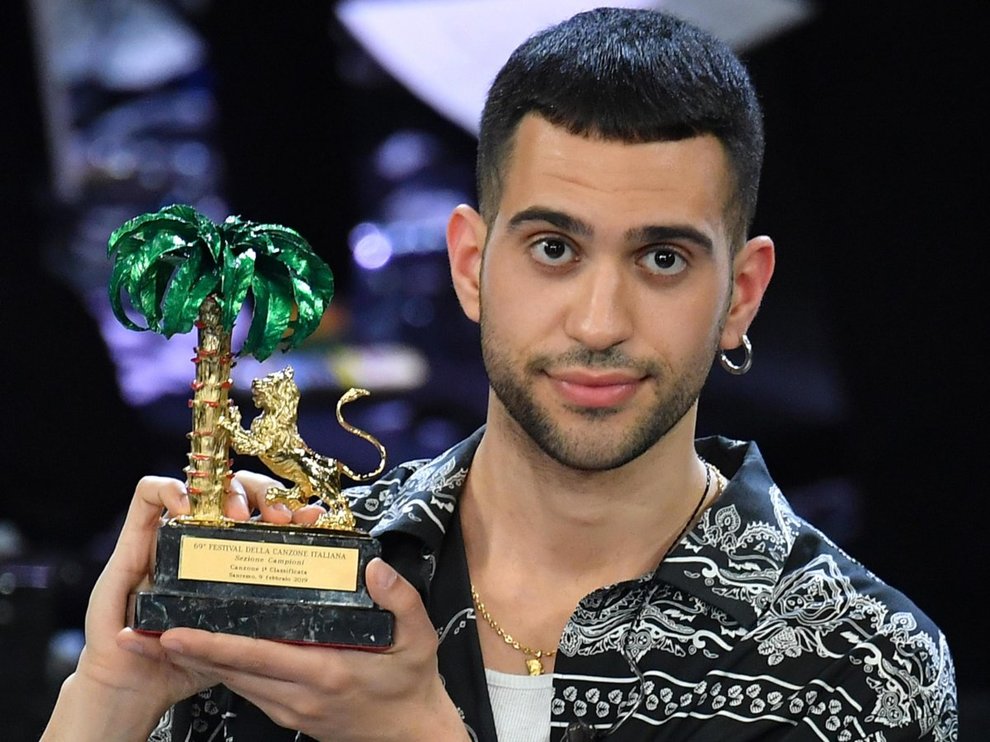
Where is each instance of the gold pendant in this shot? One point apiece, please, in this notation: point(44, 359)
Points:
point(534, 666)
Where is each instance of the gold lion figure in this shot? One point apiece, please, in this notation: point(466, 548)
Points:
point(274, 438)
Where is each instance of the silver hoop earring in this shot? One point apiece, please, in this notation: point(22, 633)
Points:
point(747, 362)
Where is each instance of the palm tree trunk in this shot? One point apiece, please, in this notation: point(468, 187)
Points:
point(209, 472)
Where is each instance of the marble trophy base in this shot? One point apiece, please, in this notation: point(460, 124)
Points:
point(300, 585)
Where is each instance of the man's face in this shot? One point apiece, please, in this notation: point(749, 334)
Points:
point(604, 284)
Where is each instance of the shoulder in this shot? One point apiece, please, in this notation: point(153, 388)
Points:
point(416, 497)
point(832, 619)
point(823, 621)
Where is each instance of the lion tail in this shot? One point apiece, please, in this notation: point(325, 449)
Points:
point(349, 396)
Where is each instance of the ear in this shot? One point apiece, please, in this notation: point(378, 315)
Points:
point(751, 272)
point(466, 233)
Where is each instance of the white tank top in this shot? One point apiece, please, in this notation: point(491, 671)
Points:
point(521, 705)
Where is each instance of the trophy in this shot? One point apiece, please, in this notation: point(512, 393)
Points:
point(293, 583)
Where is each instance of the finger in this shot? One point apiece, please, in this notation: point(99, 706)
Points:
point(307, 515)
point(207, 652)
point(153, 496)
point(228, 654)
point(164, 492)
point(131, 560)
point(236, 504)
point(413, 628)
point(144, 645)
point(270, 695)
point(256, 487)
point(253, 681)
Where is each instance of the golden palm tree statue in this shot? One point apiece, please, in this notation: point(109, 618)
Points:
point(179, 269)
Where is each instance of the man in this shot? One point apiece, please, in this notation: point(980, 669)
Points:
point(581, 567)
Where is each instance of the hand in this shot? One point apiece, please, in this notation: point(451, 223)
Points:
point(328, 693)
point(337, 694)
point(254, 488)
point(125, 674)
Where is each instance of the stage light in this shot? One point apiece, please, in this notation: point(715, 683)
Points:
point(447, 52)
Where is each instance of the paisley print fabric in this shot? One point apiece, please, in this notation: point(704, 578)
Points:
point(755, 627)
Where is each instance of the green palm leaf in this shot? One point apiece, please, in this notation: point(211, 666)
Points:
point(147, 251)
point(139, 273)
point(168, 262)
point(179, 220)
point(185, 293)
point(235, 282)
point(272, 309)
point(310, 278)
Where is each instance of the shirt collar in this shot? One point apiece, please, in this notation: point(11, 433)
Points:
point(418, 499)
point(731, 559)
point(734, 557)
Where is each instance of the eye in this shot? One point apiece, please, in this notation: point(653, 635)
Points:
point(663, 261)
point(552, 251)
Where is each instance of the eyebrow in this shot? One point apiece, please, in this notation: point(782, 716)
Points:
point(649, 233)
point(657, 233)
point(558, 219)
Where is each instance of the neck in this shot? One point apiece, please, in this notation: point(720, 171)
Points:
point(539, 536)
point(521, 508)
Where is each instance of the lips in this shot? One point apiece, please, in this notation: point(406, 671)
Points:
point(595, 390)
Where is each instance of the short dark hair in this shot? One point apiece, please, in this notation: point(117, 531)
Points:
point(627, 75)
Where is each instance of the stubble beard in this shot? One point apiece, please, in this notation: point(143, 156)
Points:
point(581, 448)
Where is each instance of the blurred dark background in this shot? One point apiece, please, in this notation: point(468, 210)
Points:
point(864, 393)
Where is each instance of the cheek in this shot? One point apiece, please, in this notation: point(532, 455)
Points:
point(513, 304)
point(682, 329)
point(511, 321)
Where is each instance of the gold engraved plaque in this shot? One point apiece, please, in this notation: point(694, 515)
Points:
point(283, 565)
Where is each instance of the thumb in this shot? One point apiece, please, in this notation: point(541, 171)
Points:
point(393, 592)
point(130, 562)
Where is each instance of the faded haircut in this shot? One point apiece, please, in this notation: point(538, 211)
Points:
point(632, 76)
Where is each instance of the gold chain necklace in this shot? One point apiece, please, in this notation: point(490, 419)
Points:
point(534, 664)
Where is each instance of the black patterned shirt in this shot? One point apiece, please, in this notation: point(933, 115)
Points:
point(755, 627)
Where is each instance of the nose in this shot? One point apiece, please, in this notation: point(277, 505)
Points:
point(600, 313)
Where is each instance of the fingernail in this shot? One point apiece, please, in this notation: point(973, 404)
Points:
point(134, 647)
point(169, 644)
point(241, 499)
point(385, 575)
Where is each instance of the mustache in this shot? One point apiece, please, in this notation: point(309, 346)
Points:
point(613, 358)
